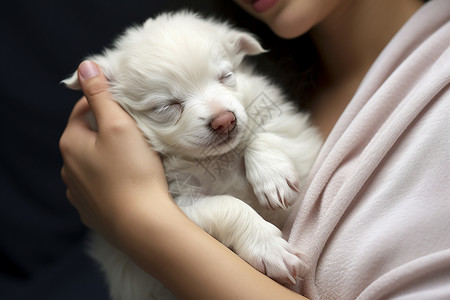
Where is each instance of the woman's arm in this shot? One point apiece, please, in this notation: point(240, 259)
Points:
point(117, 184)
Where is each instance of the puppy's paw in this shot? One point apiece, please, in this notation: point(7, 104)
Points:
point(275, 185)
point(276, 258)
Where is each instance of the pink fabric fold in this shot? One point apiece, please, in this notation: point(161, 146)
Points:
point(377, 202)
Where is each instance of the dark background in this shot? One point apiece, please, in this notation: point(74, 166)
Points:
point(42, 244)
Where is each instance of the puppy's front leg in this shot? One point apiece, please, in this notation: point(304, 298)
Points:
point(271, 172)
point(239, 227)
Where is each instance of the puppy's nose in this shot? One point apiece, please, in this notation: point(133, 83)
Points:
point(223, 122)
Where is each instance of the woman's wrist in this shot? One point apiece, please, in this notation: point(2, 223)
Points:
point(138, 211)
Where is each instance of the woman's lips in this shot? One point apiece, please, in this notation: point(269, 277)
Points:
point(261, 6)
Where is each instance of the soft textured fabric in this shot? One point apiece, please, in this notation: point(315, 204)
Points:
point(374, 220)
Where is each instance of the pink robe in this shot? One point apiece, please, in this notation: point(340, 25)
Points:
point(374, 219)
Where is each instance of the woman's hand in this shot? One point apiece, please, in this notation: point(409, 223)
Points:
point(104, 169)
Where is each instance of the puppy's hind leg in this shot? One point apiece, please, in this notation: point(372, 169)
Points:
point(236, 225)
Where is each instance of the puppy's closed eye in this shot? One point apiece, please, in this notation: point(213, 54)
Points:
point(169, 113)
point(227, 78)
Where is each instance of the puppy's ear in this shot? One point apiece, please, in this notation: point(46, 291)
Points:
point(102, 60)
point(242, 44)
point(72, 82)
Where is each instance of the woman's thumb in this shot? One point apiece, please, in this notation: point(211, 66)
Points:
point(95, 88)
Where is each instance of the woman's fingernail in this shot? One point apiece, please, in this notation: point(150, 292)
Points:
point(88, 69)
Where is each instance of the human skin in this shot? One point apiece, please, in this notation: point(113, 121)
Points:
point(117, 183)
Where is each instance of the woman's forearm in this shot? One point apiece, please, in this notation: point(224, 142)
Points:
point(166, 244)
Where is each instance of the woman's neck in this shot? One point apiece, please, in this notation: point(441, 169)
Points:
point(352, 37)
point(348, 42)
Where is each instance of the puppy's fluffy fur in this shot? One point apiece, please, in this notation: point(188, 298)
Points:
point(234, 151)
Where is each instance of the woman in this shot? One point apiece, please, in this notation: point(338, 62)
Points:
point(373, 219)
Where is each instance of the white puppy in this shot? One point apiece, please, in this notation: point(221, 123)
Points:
point(234, 151)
